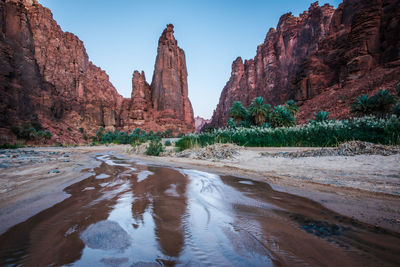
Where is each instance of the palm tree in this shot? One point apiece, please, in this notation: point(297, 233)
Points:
point(361, 105)
point(321, 116)
point(259, 110)
point(238, 112)
point(282, 117)
point(382, 102)
point(292, 107)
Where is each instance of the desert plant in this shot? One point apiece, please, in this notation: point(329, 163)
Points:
point(292, 107)
point(379, 104)
point(229, 124)
point(281, 116)
point(258, 110)
point(99, 133)
point(238, 112)
point(154, 148)
point(382, 102)
point(396, 110)
point(325, 133)
point(168, 133)
point(361, 106)
point(167, 143)
point(321, 116)
point(81, 130)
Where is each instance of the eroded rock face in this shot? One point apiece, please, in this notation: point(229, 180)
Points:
point(199, 123)
point(169, 86)
point(47, 72)
point(322, 59)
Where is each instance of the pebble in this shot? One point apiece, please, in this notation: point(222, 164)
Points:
point(54, 171)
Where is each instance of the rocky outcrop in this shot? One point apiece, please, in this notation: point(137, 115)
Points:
point(169, 86)
point(322, 59)
point(199, 123)
point(165, 103)
point(47, 72)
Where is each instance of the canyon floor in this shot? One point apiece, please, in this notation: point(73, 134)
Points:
point(363, 187)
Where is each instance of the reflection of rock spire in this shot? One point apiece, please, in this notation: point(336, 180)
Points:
point(168, 198)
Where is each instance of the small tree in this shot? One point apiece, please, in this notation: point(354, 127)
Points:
point(281, 116)
point(321, 116)
point(382, 102)
point(361, 106)
point(258, 110)
point(238, 112)
point(230, 123)
point(396, 110)
point(292, 107)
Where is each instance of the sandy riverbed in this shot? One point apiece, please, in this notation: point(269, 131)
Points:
point(364, 187)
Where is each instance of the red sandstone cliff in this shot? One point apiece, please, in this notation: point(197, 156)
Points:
point(165, 103)
point(47, 72)
point(323, 59)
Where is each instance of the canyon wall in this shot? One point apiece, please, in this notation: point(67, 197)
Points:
point(322, 59)
point(47, 72)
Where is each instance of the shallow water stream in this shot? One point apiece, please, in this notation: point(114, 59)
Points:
point(132, 214)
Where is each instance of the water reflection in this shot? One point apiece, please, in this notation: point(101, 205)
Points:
point(129, 214)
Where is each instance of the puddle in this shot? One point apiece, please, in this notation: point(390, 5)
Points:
point(156, 216)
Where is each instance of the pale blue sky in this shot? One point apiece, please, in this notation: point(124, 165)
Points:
point(121, 36)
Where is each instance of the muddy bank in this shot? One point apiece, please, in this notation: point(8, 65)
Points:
point(33, 179)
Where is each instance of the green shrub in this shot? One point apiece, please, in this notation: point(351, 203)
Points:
point(292, 107)
point(325, 133)
point(396, 110)
point(282, 117)
point(154, 148)
point(11, 146)
point(81, 130)
point(258, 110)
point(167, 143)
point(361, 106)
point(167, 134)
point(321, 116)
point(238, 112)
point(380, 104)
point(229, 124)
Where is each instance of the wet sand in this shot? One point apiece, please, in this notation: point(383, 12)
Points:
point(365, 188)
point(126, 212)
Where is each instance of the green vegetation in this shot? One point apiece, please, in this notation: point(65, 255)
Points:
point(31, 131)
point(238, 112)
point(136, 136)
point(379, 122)
point(396, 110)
point(11, 146)
point(325, 133)
point(281, 116)
point(155, 148)
point(320, 116)
point(258, 110)
point(167, 143)
point(380, 104)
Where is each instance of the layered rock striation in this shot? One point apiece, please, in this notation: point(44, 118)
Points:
point(322, 59)
point(47, 72)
